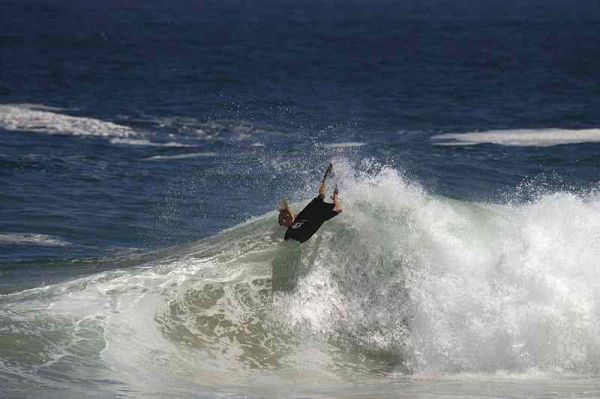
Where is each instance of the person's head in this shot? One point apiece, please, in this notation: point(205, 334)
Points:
point(286, 216)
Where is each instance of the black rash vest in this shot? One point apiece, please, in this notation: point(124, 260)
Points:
point(310, 219)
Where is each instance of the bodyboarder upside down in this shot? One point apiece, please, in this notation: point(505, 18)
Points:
point(302, 226)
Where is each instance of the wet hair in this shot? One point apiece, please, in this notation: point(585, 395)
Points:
point(284, 216)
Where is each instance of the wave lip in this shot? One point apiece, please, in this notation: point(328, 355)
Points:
point(40, 119)
point(520, 137)
point(32, 239)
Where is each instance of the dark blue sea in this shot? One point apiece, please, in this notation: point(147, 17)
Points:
point(146, 146)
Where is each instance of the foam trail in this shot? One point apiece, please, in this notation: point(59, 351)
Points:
point(520, 137)
point(17, 118)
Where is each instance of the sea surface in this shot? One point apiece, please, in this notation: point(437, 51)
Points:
point(145, 147)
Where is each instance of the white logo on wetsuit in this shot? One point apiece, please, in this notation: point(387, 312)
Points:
point(297, 225)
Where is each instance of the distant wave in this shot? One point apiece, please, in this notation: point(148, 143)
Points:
point(350, 144)
point(40, 119)
point(49, 120)
point(520, 137)
point(144, 142)
point(31, 239)
point(181, 156)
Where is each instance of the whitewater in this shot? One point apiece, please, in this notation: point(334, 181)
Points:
point(405, 293)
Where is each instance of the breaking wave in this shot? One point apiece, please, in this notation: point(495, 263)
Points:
point(402, 282)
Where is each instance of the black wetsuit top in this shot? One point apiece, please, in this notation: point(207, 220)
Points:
point(310, 219)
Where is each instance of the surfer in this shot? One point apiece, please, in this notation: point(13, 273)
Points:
point(302, 226)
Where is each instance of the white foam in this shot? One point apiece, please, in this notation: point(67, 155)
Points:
point(520, 137)
point(181, 156)
point(40, 119)
point(32, 239)
point(350, 144)
point(455, 286)
point(145, 142)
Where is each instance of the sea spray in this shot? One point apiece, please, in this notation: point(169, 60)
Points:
point(453, 287)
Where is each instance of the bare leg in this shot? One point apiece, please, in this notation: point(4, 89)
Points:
point(337, 205)
point(323, 186)
point(323, 189)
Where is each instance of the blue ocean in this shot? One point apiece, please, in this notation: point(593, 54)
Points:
point(146, 146)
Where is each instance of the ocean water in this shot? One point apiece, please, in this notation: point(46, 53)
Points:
point(144, 148)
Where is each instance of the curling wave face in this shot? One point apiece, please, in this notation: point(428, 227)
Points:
point(403, 282)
